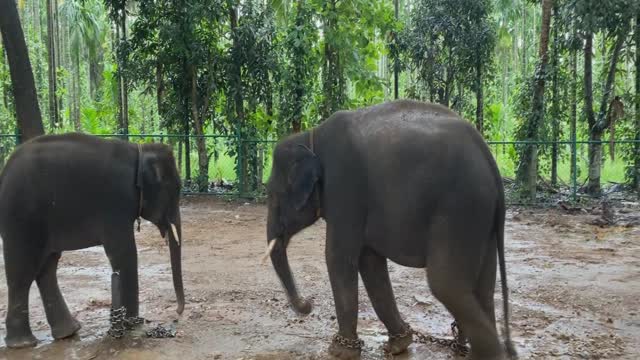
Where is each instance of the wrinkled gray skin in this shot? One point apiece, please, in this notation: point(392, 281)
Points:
point(73, 191)
point(405, 181)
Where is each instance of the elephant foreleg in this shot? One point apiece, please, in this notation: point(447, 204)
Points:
point(343, 275)
point(375, 275)
point(58, 316)
point(20, 273)
point(123, 257)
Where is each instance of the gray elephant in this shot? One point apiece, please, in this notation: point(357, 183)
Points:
point(406, 181)
point(73, 191)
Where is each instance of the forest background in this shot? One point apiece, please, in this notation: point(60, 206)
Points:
point(553, 85)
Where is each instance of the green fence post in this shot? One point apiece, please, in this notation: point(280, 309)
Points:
point(17, 133)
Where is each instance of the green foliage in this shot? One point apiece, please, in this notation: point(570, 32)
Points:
point(86, 25)
point(293, 63)
point(349, 43)
point(300, 64)
point(443, 44)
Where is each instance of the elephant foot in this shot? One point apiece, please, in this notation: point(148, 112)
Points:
point(398, 344)
point(67, 329)
point(345, 349)
point(19, 342)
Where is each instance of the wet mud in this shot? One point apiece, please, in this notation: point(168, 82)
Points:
point(574, 287)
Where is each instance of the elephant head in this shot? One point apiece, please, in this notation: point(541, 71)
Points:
point(161, 204)
point(294, 203)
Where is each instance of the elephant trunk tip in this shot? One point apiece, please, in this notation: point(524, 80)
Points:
point(302, 306)
point(180, 308)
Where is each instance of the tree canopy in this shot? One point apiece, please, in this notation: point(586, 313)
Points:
point(230, 75)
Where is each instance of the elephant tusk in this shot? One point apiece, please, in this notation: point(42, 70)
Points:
point(175, 234)
point(272, 244)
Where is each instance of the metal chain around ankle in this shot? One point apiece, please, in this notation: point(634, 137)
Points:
point(133, 321)
point(356, 344)
point(117, 320)
point(454, 344)
point(407, 331)
point(455, 330)
point(120, 322)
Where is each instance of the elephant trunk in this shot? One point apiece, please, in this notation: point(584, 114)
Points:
point(281, 265)
point(176, 262)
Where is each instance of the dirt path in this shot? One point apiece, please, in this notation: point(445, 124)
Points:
point(574, 293)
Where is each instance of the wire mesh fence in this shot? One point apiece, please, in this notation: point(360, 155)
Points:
point(236, 167)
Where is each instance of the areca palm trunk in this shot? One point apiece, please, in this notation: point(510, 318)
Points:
point(51, 49)
point(599, 126)
point(76, 91)
point(636, 175)
point(24, 90)
point(527, 173)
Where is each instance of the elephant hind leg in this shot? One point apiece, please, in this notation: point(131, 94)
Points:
point(58, 316)
point(20, 276)
point(463, 304)
point(486, 284)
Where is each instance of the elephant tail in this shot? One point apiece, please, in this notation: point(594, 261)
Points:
point(499, 228)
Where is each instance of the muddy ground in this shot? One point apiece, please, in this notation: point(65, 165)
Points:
point(575, 293)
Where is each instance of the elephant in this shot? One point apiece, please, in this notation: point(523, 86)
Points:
point(406, 181)
point(72, 191)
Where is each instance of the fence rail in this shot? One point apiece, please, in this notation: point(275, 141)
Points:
point(230, 156)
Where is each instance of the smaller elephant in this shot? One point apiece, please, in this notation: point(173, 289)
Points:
point(73, 191)
point(405, 181)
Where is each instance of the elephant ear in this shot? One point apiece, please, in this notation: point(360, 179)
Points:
point(152, 169)
point(303, 177)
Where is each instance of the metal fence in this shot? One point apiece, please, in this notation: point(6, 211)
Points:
point(225, 177)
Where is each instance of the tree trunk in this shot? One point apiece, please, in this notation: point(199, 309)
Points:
point(76, 92)
point(527, 172)
point(29, 118)
point(119, 82)
point(555, 106)
point(123, 81)
point(596, 131)
point(236, 82)
point(201, 144)
point(37, 52)
point(525, 45)
point(636, 168)
point(479, 98)
point(396, 60)
point(179, 155)
point(574, 111)
point(58, 62)
point(296, 118)
point(51, 52)
point(333, 82)
point(159, 89)
point(588, 96)
point(96, 66)
point(187, 140)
